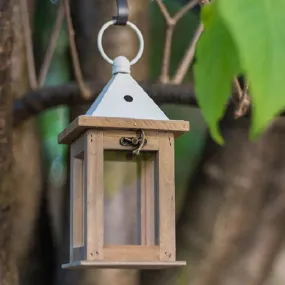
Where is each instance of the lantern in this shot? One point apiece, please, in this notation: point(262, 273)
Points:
point(126, 130)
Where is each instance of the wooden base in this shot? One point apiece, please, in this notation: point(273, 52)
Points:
point(124, 264)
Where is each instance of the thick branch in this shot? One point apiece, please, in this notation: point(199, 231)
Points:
point(36, 101)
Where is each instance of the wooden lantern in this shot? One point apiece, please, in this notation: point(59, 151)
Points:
point(122, 122)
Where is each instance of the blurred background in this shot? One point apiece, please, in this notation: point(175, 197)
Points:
point(230, 200)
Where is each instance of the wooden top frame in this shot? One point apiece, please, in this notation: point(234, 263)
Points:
point(82, 123)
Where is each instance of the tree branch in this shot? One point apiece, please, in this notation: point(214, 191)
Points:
point(163, 11)
point(75, 60)
point(188, 57)
point(164, 77)
point(51, 46)
point(170, 25)
point(36, 101)
point(242, 99)
point(185, 9)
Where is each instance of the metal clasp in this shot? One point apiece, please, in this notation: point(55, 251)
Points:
point(122, 13)
point(138, 142)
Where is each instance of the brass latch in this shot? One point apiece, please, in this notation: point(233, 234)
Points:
point(137, 142)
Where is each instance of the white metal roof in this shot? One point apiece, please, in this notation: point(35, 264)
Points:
point(122, 97)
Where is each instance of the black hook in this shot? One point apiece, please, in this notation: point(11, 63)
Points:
point(122, 12)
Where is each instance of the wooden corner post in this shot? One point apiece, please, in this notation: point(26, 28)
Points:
point(166, 185)
point(76, 200)
point(94, 195)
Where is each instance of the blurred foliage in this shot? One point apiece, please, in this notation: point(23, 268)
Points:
point(214, 72)
point(232, 30)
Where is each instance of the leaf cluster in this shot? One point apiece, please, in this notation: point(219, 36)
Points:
point(241, 37)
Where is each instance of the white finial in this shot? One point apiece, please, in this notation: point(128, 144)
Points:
point(121, 65)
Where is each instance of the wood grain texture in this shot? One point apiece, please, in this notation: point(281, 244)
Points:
point(112, 140)
point(125, 264)
point(131, 253)
point(81, 123)
point(147, 202)
point(77, 146)
point(166, 197)
point(94, 192)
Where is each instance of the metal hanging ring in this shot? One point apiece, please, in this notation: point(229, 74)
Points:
point(133, 27)
point(122, 13)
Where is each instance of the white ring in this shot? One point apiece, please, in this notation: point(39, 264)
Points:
point(131, 25)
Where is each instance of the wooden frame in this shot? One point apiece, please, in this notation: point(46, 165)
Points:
point(77, 200)
point(86, 157)
point(166, 197)
point(82, 123)
point(157, 248)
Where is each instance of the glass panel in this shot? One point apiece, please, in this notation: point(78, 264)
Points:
point(78, 181)
point(129, 198)
point(149, 201)
point(156, 206)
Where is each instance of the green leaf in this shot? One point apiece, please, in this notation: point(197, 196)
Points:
point(216, 65)
point(257, 27)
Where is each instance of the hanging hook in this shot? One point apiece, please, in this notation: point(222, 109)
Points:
point(122, 12)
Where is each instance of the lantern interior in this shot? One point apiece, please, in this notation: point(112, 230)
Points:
point(130, 198)
point(78, 220)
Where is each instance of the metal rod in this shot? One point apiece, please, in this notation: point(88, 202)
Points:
point(122, 13)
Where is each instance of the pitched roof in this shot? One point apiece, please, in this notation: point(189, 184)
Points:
point(123, 97)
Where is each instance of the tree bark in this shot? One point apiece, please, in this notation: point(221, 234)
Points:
point(37, 101)
point(27, 166)
point(8, 272)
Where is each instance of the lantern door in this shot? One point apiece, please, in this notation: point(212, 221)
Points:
point(131, 201)
point(145, 185)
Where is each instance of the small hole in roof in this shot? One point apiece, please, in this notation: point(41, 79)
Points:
point(128, 98)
